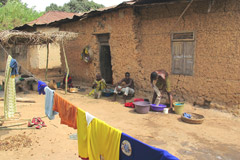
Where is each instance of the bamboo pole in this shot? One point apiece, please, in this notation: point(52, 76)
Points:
point(16, 128)
point(66, 63)
point(47, 62)
point(21, 100)
point(14, 125)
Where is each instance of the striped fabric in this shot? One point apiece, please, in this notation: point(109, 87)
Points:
point(9, 92)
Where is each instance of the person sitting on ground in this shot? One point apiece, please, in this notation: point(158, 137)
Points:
point(99, 85)
point(127, 89)
point(69, 81)
point(162, 86)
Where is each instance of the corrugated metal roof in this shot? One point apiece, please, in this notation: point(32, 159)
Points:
point(51, 16)
point(95, 12)
point(54, 18)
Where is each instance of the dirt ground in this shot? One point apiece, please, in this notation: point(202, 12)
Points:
point(217, 138)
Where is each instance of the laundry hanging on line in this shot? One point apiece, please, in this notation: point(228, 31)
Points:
point(14, 66)
point(98, 139)
point(67, 111)
point(49, 103)
point(9, 91)
point(41, 86)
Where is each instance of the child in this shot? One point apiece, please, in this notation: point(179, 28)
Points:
point(99, 85)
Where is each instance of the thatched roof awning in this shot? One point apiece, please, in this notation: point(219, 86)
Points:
point(14, 37)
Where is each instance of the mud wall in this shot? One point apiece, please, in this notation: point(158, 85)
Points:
point(216, 78)
point(140, 42)
point(38, 56)
point(120, 26)
point(18, 52)
point(3, 60)
point(38, 53)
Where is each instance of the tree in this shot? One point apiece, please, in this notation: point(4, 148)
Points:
point(75, 6)
point(53, 7)
point(14, 13)
point(3, 2)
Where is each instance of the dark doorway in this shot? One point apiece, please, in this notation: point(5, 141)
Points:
point(105, 57)
point(105, 63)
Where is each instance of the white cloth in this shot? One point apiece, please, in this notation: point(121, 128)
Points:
point(89, 118)
point(126, 91)
point(159, 95)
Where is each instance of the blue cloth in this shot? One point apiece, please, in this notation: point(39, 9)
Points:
point(41, 86)
point(49, 103)
point(14, 66)
point(189, 116)
point(141, 151)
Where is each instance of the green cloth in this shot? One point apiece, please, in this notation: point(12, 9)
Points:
point(164, 84)
point(9, 92)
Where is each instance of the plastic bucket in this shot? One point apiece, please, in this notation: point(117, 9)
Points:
point(158, 108)
point(142, 107)
point(58, 84)
point(178, 107)
point(165, 110)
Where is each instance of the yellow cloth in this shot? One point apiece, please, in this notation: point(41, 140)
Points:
point(103, 140)
point(98, 139)
point(100, 85)
point(82, 133)
point(163, 85)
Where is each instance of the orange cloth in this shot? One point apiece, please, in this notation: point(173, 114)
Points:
point(67, 111)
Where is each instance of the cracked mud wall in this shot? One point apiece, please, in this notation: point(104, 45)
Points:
point(216, 78)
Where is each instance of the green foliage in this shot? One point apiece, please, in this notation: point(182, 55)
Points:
point(53, 7)
point(14, 13)
point(75, 6)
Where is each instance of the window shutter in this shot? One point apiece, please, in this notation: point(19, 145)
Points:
point(188, 58)
point(178, 59)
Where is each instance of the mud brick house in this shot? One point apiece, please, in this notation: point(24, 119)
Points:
point(196, 41)
point(33, 57)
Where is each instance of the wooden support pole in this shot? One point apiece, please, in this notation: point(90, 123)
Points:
point(47, 62)
point(66, 63)
point(189, 4)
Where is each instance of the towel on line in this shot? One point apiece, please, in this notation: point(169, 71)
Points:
point(49, 103)
point(14, 66)
point(67, 111)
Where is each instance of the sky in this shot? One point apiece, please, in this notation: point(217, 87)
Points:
point(40, 5)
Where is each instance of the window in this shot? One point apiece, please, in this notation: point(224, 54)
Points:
point(183, 53)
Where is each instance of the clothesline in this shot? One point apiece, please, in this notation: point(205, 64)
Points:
point(95, 137)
